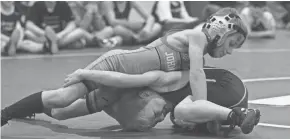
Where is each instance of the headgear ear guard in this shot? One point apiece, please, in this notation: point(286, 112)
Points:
point(217, 28)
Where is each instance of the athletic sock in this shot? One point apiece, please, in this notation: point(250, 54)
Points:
point(27, 106)
point(47, 111)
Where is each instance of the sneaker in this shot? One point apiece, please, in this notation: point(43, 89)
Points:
point(252, 118)
point(107, 43)
point(51, 39)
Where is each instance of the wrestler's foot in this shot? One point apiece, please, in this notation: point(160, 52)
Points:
point(246, 119)
point(252, 118)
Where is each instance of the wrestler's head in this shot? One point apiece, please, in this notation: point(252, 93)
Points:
point(225, 31)
point(141, 111)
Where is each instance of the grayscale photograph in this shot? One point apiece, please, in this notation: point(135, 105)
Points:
point(145, 69)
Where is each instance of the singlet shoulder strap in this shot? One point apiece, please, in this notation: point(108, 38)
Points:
point(164, 41)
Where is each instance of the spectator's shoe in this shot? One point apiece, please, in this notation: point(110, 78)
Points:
point(51, 40)
point(11, 46)
point(107, 43)
point(4, 117)
point(80, 44)
point(246, 119)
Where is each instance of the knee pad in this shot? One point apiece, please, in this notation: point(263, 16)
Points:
point(100, 98)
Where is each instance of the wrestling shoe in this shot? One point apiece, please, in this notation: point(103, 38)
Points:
point(246, 119)
point(4, 117)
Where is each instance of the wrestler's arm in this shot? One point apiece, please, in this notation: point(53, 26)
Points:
point(196, 74)
point(152, 79)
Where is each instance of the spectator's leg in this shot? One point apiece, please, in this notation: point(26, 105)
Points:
point(105, 33)
point(209, 10)
point(246, 14)
point(286, 17)
point(154, 34)
point(34, 33)
point(30, 46)
point(136, 26)
point(34, 37)
point(87, 19)
point(74, 36)
point(127, 34)
point(4, 41)
point(14, 39)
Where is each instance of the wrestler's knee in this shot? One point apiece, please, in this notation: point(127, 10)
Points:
point(58, 114)
point(55, 98)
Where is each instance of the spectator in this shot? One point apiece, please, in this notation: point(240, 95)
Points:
point(214, 6)
point(90, 16)
point(259, 19)
point(171, 14)
point(171, 11)
point(131, 32)
point(12, 32)
point(286, 17)
point(57, 15)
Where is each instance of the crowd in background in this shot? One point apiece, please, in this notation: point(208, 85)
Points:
point(49, 27)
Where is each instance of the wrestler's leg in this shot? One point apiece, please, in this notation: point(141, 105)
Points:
point(218, 105)
point(58, 98)
point(94, 102)
point(76, 109)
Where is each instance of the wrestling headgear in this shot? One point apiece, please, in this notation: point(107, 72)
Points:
point(223, 23)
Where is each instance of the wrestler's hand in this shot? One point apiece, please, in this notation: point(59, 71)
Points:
point(74, 78)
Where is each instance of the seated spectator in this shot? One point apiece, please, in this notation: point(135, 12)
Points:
point(171, 11)
point(170, 14)
point(12, 32)
point(90, 17)
point(132, 32)
point(57, 15)
point(214, 6)
point(260, 20)
point(286, 17)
